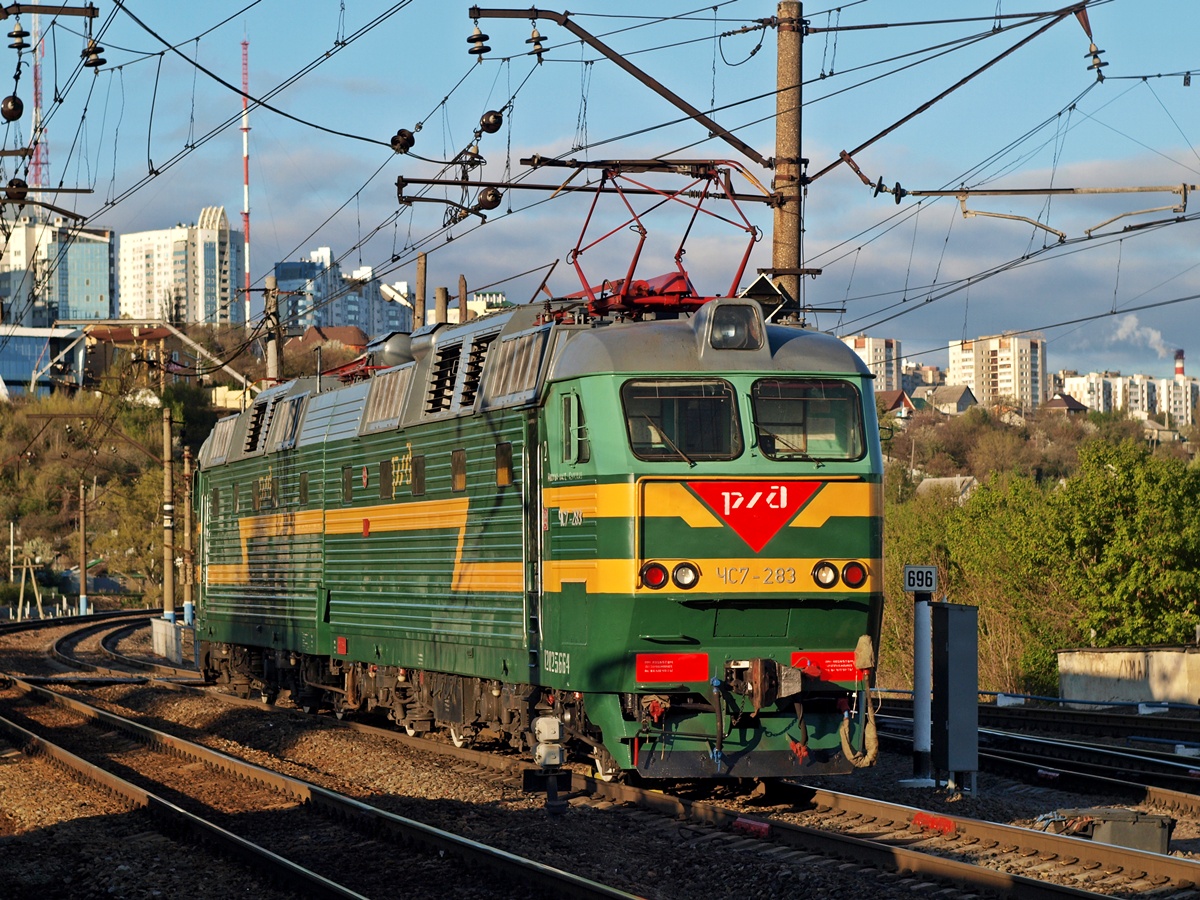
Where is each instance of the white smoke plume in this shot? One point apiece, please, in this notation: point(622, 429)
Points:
point(1129, 330)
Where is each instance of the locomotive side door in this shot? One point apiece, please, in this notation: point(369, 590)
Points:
point(534, 518)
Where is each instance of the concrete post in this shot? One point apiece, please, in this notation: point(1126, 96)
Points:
point(168, 511)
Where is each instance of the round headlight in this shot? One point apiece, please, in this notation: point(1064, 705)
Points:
point(854, 574)
point(825, 574)
point(654, 575)
point(685, 576)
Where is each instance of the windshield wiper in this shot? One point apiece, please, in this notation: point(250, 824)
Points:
point(793, 450)
point(670, 443)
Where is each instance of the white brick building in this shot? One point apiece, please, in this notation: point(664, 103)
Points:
point(1001, 369)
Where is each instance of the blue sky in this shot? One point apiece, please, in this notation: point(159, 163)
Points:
point(920, 272)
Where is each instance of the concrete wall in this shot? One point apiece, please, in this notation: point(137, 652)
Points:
point(1130, 674)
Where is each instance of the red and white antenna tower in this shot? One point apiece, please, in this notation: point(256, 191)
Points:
point(40, 161)
point(246, 171)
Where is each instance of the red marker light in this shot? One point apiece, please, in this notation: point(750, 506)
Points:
point(854, 574)
point(654, 575)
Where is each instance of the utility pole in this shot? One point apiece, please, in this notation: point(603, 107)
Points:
point(188, 566)
point(271, 314)
point(462, 299)
point(788, 225)
point(419, 297)
point(168, 511)
point(441, 305)
point(83, 600)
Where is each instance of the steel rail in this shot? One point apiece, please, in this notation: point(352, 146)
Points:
point(1155, 865)
point(876, 853)
point(438, 840)
point(309, 882)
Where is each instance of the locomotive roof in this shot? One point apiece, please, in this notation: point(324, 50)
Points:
point(681, 346)
point(504, 360)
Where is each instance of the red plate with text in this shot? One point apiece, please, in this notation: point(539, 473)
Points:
point(673, 668)
point(828, 665)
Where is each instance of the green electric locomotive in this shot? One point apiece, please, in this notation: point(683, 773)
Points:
point(663, 537)
point(636, 521)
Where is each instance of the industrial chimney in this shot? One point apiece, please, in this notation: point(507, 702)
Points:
point(1178, 363)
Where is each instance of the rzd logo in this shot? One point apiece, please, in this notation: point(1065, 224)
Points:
point(776, 498)
point(756, 510)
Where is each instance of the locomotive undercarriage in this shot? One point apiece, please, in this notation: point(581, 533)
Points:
point(419, 701)
point(469, 709)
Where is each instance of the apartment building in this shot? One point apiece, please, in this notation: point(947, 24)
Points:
point(883, 358)
point(1001, 370)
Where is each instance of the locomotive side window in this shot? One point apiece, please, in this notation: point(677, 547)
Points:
point(215, 503)
point(458, 470)
point(677, 419)
point(576, 447)
point(385, 479)
point(799, 418)
point(347, 484)
point(418, 476)
point(504, 465)
point(303, 490)
point(234, 502)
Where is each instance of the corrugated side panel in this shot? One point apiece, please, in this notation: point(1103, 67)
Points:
point(262, 568)
point(445, 566)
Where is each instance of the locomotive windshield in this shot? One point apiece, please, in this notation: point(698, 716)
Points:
point(676, 419)
point(808, 419)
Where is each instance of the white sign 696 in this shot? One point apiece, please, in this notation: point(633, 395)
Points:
point(920, 578)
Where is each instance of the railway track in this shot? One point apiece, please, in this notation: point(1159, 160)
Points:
point(1076, 765)
point(1169, 726)
point(974, 856)
point(262, 816)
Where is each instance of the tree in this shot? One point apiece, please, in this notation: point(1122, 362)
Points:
point(1125, 538)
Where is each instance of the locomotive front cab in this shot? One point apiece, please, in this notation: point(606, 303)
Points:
point(717, 558)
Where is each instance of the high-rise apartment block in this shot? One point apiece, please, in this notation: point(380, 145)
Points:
point(52, 270)
point(1001, 369)
point(883, 358)
point(1139, 396)
point(185, 274)
point(315, 292)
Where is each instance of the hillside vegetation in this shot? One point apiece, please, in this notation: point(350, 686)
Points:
point(1079, 534)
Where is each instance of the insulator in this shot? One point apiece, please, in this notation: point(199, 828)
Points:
point(11, 108)
point(536, 39)
point(18, 35)
point(489, 198)
point(91, 55)
point(478, 41)
point(491, 121)
point(17, 190)
point(403, 140)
